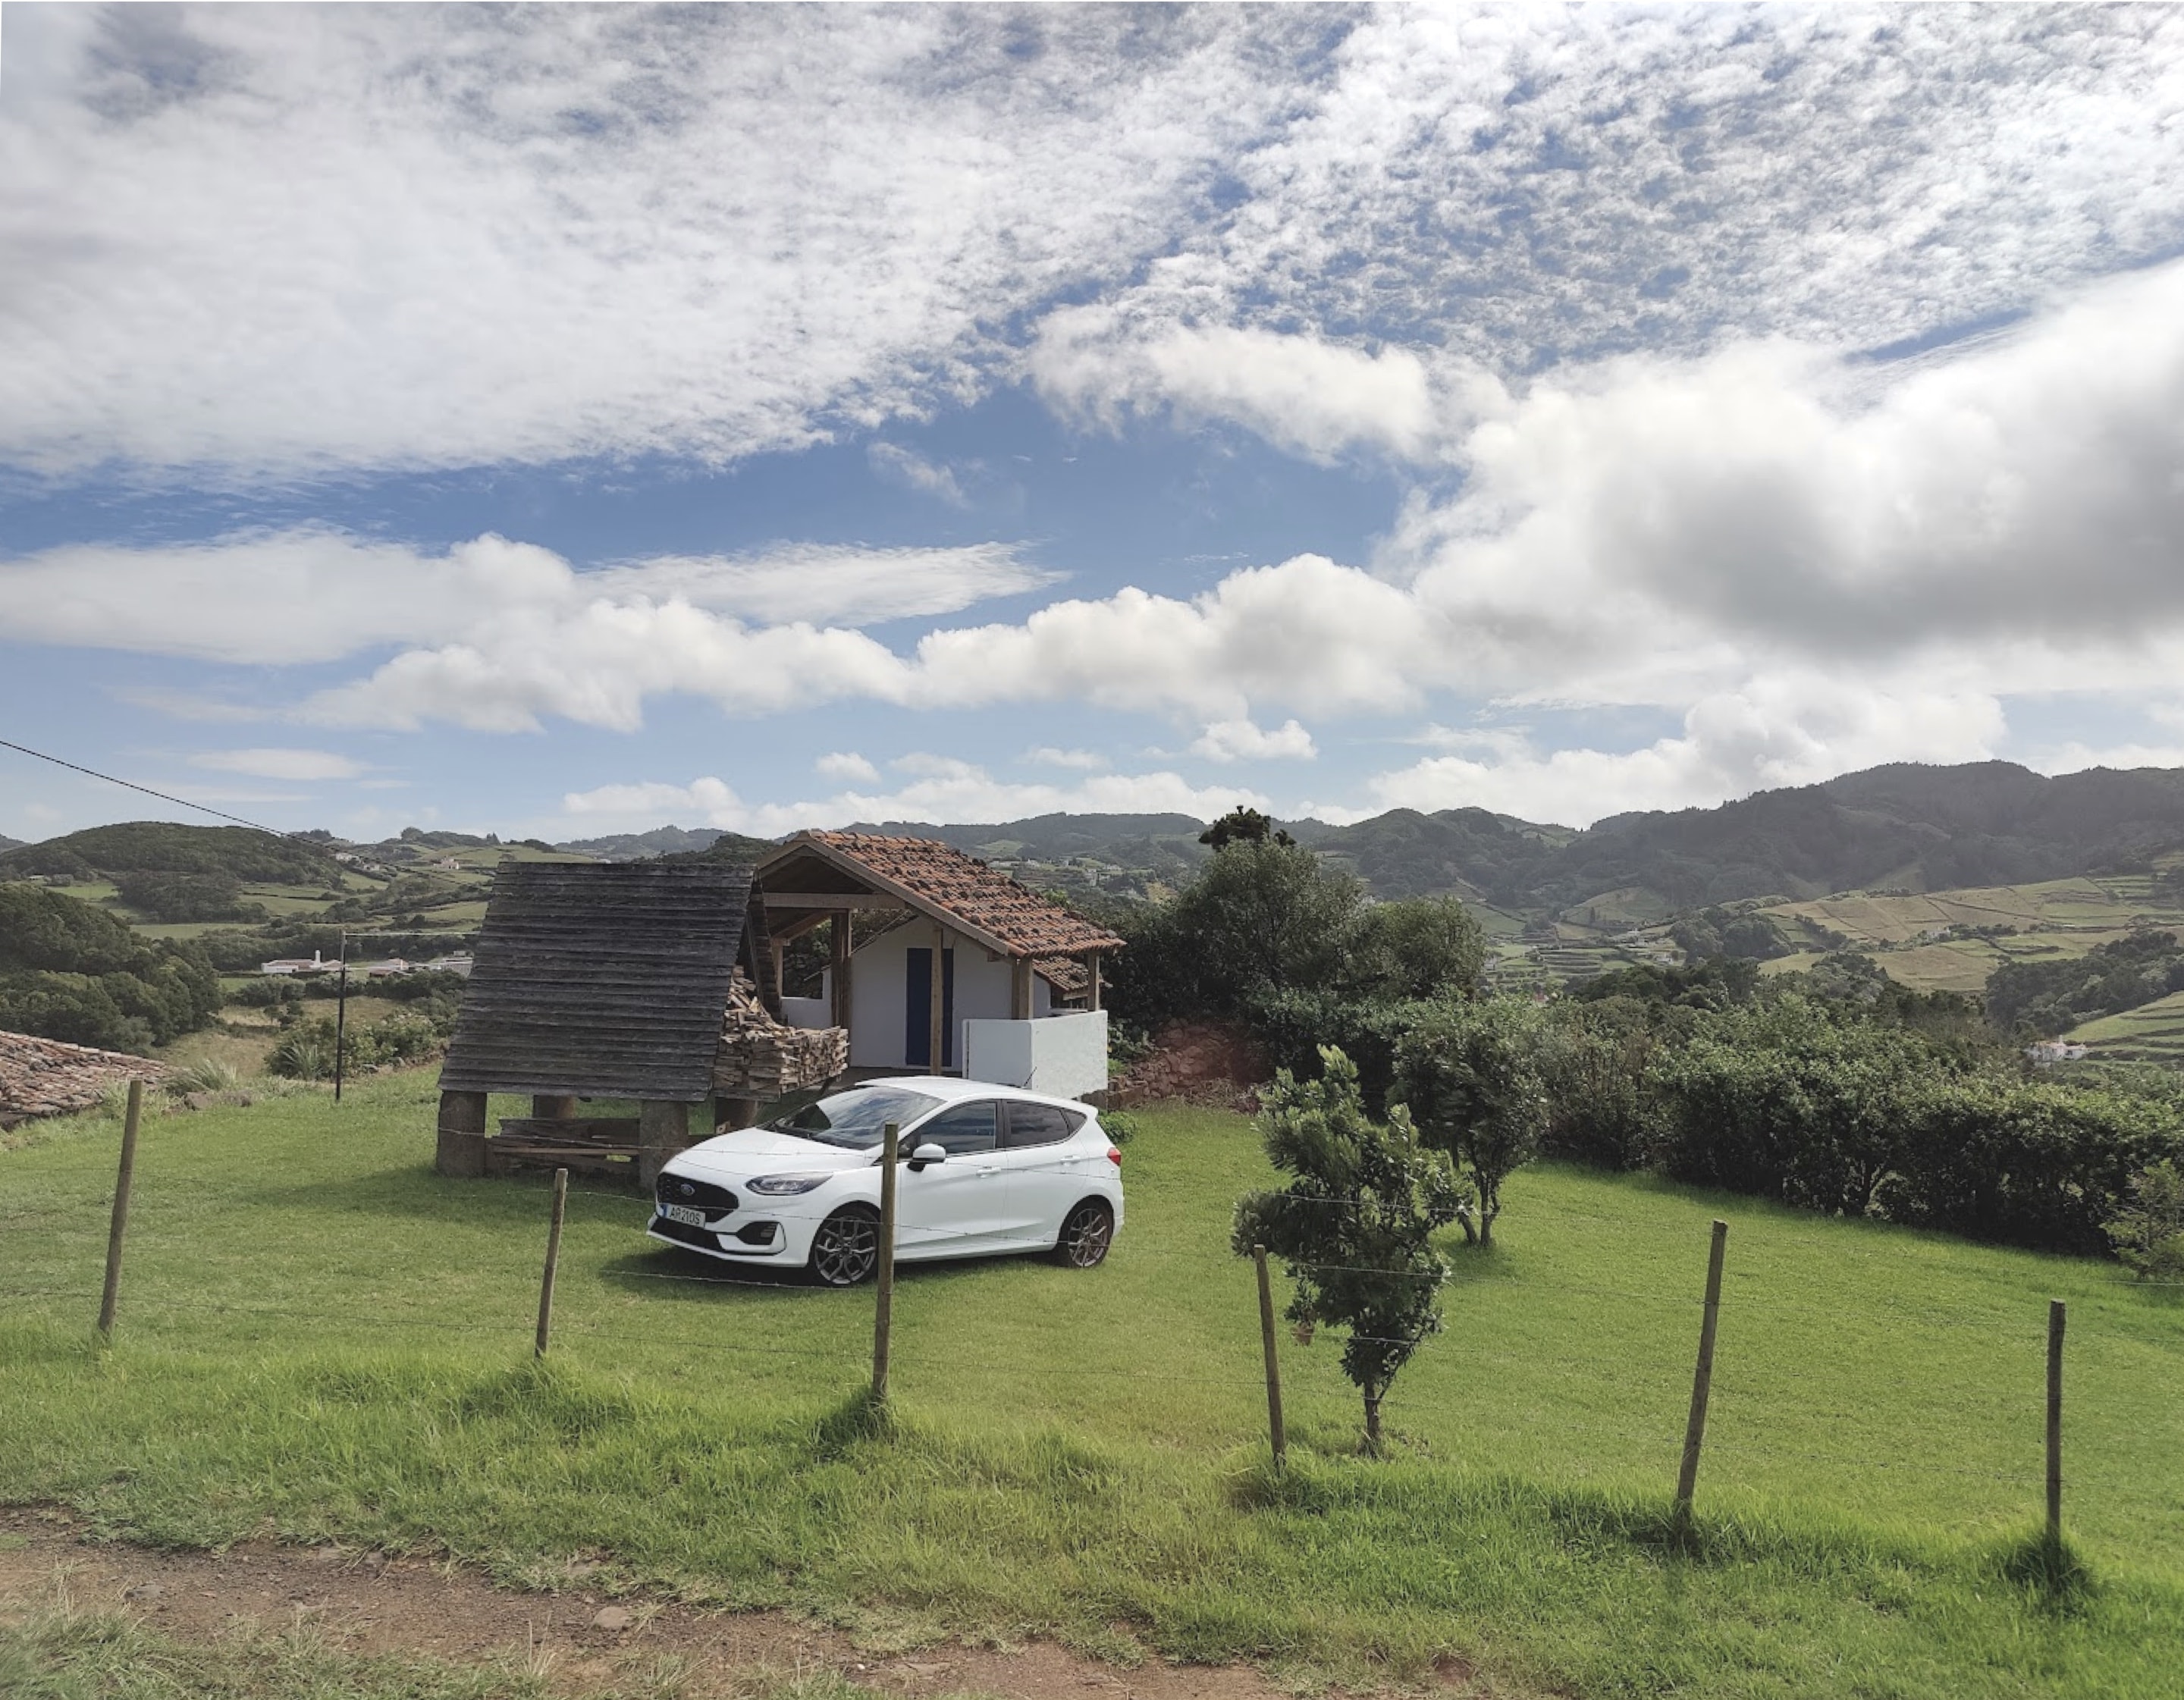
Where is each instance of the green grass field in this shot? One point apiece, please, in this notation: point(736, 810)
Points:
point(320, 1338)
point(2152, 1033)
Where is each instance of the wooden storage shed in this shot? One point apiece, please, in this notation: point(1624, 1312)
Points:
point(631, 980)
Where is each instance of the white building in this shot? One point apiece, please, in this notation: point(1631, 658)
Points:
point(966, 971)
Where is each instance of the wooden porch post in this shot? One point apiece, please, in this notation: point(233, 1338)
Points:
point(839, 945)
point(1092, 967)
point(937, 1049)
point(1020, 988)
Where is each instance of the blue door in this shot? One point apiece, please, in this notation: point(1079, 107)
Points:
point(917, 999)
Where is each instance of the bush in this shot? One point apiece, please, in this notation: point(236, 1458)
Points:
point(2148, 1235)
point(306, 1052)
point(75, 974)
point(1355, 1225)
point(2025, 1162)
point(1594, 1061)
point(187, 897)
point(1781, 1100)
point(1468, 1073)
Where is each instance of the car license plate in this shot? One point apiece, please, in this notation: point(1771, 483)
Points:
point(684, 1214)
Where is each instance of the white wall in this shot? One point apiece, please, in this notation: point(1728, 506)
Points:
point(878, 984)
point(808, 1012)
point(1065, 1055)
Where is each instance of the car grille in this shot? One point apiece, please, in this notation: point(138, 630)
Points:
point(700, 1195)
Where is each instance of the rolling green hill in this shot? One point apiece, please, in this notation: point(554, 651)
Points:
point(163, 847)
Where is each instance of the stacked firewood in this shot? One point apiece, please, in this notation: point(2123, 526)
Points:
point(763, 1058)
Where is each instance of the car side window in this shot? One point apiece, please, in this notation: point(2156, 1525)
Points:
point(1039, 1124)
point(963, 1128)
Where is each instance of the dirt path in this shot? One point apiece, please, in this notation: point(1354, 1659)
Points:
point(372, 1604)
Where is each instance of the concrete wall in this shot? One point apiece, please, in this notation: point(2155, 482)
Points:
point(1065, 1055)
point(807, 1011)
point(879, 984)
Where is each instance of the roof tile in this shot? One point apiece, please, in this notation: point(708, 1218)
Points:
point(965, 887)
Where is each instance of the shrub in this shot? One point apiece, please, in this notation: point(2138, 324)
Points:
point(2025, 1162)
point(187, 897)
point(2148, 1235)
point(1354, 1225)
point(1469, 1074)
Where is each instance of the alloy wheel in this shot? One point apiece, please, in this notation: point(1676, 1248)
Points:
point(846, 1249)
point(1086, 1235)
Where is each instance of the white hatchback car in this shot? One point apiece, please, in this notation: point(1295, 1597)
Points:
point(984, 1170)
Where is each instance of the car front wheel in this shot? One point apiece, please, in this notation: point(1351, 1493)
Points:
point(1087, 1232)
point(846, 1249)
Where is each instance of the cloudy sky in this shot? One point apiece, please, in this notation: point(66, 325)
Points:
point(566, 421)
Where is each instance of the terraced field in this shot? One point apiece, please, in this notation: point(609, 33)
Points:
point(2152, 1033)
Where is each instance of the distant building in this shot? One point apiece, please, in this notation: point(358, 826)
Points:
point(460, 962)
point(2048, 1050)
point(296, 965)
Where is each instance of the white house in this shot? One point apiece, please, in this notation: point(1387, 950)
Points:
point(962, 972)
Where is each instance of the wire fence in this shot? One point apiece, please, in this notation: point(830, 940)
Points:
point(1319, 1404)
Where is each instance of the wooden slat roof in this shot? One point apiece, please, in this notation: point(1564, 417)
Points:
point(600, 981)
point(958, 889)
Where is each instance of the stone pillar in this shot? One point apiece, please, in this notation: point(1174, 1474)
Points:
point(461, 1153)
point(662, 1130)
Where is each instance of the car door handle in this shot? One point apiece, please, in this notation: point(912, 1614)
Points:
point(984, 1173)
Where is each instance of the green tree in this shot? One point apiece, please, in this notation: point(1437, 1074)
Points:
point(1354, 1226)
point(1242, 825)
point(1469, 1074)
point(2149, 1235)
point(1417, 947)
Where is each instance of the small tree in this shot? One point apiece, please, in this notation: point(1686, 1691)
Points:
point(1355, 1225)
point(2149, 1235)
point(1469, 1074)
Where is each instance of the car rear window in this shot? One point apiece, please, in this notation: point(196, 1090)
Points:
point(1041, 1124)
point(857, 1118)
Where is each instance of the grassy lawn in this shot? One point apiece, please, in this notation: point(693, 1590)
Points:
point(318, 1337)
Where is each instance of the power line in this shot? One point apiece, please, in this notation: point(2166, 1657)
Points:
point(166, 797)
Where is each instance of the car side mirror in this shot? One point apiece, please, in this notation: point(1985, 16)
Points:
point(928, 1153)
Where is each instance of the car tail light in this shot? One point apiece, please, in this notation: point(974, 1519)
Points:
point(1114, 1156)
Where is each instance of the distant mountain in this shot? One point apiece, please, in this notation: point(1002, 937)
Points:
point(636, 846)
point(241, 853)
point(9, 843)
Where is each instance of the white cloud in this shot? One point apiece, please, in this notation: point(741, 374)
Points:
point(1787, 730)
point(1087, 760)
point(317, 594)
point(1311, 397)
point(262, 239)
point(280, 764)
point(847, 765)
point(1243, 740)
point(946, 791)
point(915, 472)
point(295, 240)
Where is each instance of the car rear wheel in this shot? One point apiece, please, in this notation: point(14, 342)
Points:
point(1087, 1232)
point(846, 1249)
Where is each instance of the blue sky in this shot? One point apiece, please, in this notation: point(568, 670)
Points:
point(568, 421)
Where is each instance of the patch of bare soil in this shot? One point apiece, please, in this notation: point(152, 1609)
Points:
point(1214, 1062)
point(374, 1603)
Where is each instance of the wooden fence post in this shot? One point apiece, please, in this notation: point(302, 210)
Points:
point(1275, 1431)
point(120, 1225)
point(553, 1260)
point(2054, 1422)
point(1687, 1477)
point(884, 1298)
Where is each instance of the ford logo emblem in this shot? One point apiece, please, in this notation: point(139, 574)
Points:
point(687, 1189)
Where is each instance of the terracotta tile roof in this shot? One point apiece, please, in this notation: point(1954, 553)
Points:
point(1068, 976)
point(942, 878)
point(43, 1076)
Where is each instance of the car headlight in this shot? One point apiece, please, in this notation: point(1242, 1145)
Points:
point(783, 1186)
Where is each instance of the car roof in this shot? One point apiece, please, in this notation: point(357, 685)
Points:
point(950, 1089)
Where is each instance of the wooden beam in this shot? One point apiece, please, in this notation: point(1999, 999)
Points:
point(935, 1050)
point(841, 945)
point(1092, 967)
point(1019, 989)
point(832, 899)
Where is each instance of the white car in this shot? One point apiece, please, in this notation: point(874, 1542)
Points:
point(982, 1169)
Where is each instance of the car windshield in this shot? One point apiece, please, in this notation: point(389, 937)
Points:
point(855, 1119)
